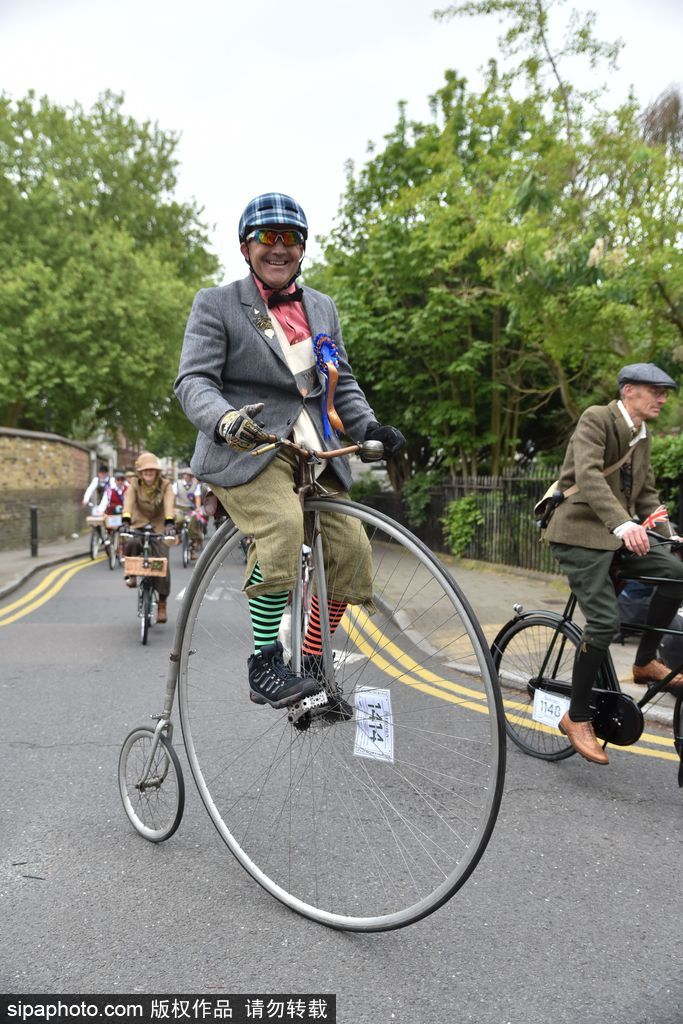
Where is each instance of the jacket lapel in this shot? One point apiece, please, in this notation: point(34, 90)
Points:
point(259, 316)
point(622, 429)
point(261, 320)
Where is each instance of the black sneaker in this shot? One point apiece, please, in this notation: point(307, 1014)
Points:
point(339, 709)
point(272, 682)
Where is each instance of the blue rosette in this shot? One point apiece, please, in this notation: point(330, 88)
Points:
point(327, 359)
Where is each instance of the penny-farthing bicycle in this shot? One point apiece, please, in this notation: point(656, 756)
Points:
point(365, 822)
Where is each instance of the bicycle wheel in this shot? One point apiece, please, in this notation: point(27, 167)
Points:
point(111, 550)
point(678, 724)
point(519, 652)
point(186, 548)
point(344, 837)
point(95, 542)
point(145, 612)
point(154, 800)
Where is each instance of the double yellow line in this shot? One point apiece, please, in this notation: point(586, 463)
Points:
point(47, 588)
point(371, 642)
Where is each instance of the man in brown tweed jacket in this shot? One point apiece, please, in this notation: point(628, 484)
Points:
point(599, 519)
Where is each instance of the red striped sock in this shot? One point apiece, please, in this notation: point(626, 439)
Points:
point(313, 640)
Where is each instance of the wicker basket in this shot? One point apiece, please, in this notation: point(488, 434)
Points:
point(94, 520)
point(134, 566)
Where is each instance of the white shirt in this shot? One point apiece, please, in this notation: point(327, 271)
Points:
point(618, 531)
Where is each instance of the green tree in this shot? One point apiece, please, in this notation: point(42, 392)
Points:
point(98, 266)
point(495, 266)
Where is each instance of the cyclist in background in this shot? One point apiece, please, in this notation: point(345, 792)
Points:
point(114, 494)
point(254, 342)
point(150, 499)
point(589, 526)
point(112, 500)
point(188, 503)
point(94, 492)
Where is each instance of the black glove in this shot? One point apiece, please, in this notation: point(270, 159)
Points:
point(169, 528)
point(125, 524)
point(391, 437)
point(240, 431)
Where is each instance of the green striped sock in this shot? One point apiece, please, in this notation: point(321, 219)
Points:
point(266, 612)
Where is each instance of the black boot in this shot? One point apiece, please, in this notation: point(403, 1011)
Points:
point(272, 682)
point(587, 664)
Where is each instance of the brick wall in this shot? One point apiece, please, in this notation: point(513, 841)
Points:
point(47, 471)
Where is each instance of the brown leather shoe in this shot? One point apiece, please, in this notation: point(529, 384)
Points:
point(161, 613)
point(581, 735)
point(131, 581)
point(653, 672)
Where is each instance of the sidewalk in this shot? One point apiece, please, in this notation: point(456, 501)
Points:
point(18, 566)
point(492, 591)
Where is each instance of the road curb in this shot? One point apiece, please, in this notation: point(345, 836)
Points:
point(13, 585)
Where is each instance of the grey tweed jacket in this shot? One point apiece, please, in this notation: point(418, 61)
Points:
point(231, 358)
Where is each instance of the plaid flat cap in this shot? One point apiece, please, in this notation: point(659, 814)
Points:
point(269, 209)
point(646, 373)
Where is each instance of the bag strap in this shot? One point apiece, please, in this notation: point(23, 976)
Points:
point(605, 472)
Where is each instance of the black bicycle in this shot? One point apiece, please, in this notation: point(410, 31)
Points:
point(534, 656)
point(146, 567)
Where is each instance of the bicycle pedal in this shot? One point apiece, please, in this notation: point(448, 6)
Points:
point(302, 707)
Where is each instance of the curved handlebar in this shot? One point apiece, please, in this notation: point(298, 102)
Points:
point(369, 451)
point(674, 541)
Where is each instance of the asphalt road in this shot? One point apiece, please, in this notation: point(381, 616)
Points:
point(573, 914)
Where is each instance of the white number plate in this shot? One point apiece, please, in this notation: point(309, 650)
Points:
point(549, 708)
point(374, 724)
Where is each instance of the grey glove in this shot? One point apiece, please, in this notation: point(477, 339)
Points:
point(240, 431)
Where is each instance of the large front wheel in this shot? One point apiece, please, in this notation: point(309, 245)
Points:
point(534, 656)
point(369, 821)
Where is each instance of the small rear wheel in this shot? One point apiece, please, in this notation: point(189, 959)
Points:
point(530, 654)
point(152, 791)
point(186, 548)
point(111, 550)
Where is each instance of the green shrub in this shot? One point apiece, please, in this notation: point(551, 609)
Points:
point(460, 523)
point(667, 456)
point(365, 487)
point(667, 465)
point(417, 494)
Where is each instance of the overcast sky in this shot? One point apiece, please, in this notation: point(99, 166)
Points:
point(271, 95)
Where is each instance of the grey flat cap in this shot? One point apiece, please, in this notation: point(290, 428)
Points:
point(645, 373)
